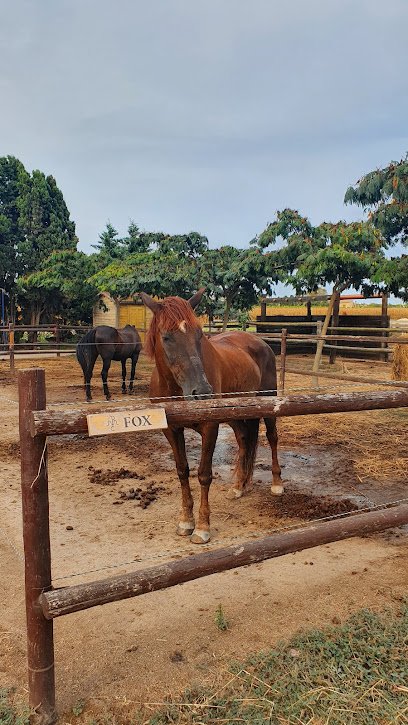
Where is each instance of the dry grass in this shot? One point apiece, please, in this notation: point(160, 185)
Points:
point(375, 443)
point(395, 313)
point(400, 362)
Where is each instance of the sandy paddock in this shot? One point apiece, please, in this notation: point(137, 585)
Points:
point(139, 650)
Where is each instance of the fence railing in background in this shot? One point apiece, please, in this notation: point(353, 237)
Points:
point(283, 338)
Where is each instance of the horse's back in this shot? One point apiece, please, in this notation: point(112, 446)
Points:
point(130, 335)
point(246, 361)
point(105, 333)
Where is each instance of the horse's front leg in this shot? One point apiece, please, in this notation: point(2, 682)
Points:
point(124, 377)
point(104, 375)
point(209, 435)
point(175, 436)
point(135, 358)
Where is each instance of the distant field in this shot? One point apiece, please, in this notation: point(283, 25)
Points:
point(394, 312)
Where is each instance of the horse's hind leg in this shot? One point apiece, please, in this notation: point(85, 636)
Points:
point(272, 436)
point(124, 377)
point(135, 358)
point(104, 375)
point(246, 434)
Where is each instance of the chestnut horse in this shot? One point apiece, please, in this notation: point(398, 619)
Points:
point(191, 365)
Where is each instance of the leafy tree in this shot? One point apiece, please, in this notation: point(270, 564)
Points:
point(12, 177)
point(342, 255)
point(171, 268)
point(138, 242)
point(391, 275)
point(109, 246)
point(191, 245)
point(44, 221)
point(61, 287)
point(233, 278)
point(384, 193)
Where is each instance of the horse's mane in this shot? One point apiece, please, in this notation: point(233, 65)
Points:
point(172, 311)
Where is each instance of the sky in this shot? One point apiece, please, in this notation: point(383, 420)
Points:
point(203, 114)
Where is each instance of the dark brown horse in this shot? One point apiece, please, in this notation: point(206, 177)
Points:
point(192, 365)
point(110, 344)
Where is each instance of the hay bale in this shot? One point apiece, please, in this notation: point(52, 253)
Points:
point(400, 362)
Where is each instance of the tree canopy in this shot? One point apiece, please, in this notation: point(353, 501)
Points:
point(341, 255)
point(384, 194)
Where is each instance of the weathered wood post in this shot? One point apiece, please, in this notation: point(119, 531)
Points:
point(57, 339)
point(319, 326)
point(11, 345)
point(384, 322)
point(37, 551)
point(284, 336)
point(263, 310)
point(335, 323)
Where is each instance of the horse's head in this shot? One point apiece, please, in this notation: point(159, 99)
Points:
point(175, 339)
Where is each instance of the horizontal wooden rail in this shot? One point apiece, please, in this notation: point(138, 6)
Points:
point(184, 413)
point(357, 348)
point(349, 378)
point(66, 600)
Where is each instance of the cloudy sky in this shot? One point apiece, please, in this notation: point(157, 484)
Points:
point(203, 114)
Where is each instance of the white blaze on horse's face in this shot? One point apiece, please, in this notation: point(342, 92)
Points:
point(182, 348)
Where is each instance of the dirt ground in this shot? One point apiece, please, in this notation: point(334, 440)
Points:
point(114, 505)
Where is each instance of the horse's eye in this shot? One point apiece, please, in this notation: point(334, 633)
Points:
point(166, 338)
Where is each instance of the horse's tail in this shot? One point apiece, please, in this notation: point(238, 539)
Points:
point(87, 353)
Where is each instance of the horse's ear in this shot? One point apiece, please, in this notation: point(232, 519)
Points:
point(195, 300)
point(150, 302)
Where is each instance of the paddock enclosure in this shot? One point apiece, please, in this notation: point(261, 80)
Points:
point(113, 510)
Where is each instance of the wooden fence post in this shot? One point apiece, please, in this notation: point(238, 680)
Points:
point(319, 326)
point(335, 323)
point(37, 552)
point(384, 323)
point(11, 345)
point(263, 309)
point(57, 339)
point(283, 361)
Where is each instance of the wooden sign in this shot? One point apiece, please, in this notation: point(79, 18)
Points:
point(127, 421)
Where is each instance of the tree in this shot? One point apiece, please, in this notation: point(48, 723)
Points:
point(171, 268)
point(109, 246)
point(384, 193)
point(391, 276)
point(138, 242)
point(342, 255)
point(12, 177)
point(44, 221)
point(233, 278)
point(61, 287)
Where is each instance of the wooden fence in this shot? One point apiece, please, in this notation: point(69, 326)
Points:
point(289, 334)
point(44, 602)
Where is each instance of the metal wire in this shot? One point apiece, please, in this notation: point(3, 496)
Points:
point(211, 396)
point(253, 535)
point(8, 400)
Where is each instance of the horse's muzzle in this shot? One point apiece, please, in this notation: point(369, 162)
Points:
point(202, 392)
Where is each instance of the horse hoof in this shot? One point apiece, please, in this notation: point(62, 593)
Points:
point(200, 537)
point(185, 528)
point(234, 493)
point(108, 397)
point(276, 490)
point(124, 391)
